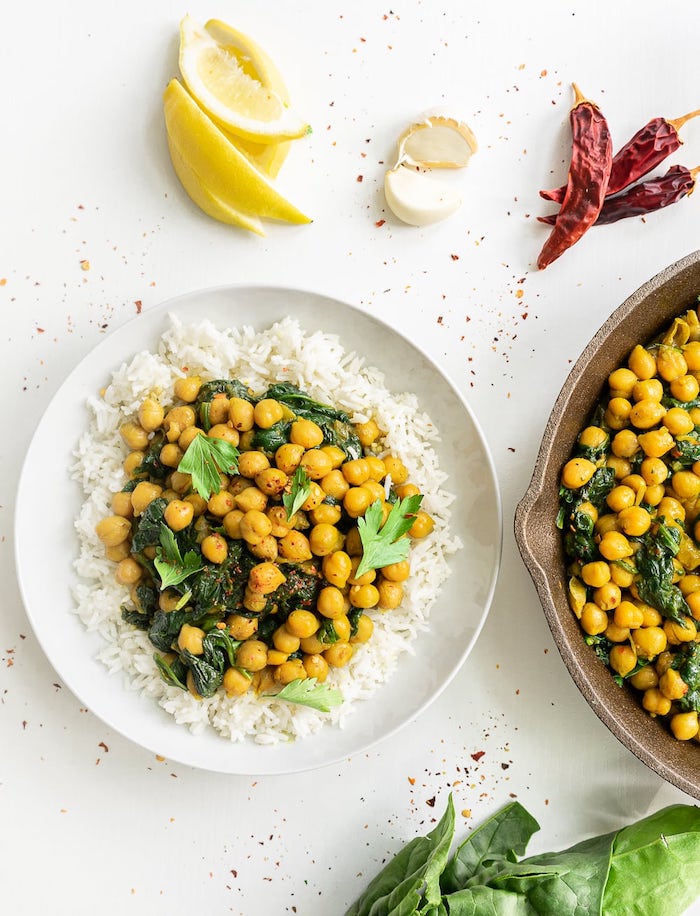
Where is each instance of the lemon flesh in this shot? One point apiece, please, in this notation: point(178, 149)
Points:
point(226, 90)
point(220, 170)
point(419, 199)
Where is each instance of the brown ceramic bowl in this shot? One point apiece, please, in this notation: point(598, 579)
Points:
point(638, 320)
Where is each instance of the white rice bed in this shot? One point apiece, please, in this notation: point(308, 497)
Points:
point(318, 364)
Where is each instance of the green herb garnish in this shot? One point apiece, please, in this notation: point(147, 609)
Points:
point(171, 566)
point(308, 692)
point(205, 459)
point(299, 493)
point(380, 543)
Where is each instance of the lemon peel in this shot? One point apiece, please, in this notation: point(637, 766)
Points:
point(226, 90)
point(220, 170)
point(437, 141)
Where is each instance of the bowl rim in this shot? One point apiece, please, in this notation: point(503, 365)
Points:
point(526, 523)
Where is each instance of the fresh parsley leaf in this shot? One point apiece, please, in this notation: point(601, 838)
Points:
point(299, 493)
point(381, 545)
point(171, 566)
point(308, 692)
point(204, 459)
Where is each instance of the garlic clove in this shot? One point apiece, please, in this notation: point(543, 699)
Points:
point(419, 199)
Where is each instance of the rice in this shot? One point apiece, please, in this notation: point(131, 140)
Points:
point(317, 363)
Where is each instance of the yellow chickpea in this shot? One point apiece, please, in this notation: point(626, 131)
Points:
point(285, 641)
point(672, 685)
point(390, 594)
point(621, 576)
point(150, 414)
point(686, 484)
point(271, 481)
point(633, 521)
point(324, 539)
point(252, 463)
point(622, 659)
point(171, 455)
point(128, 571)
point(221, 503)
point(670, 363)
point(399, 572)
point(615, 633)
point(615, 546)
point(306, 433)
point(654, 495)
point(377, 468)
point(367, 432)
point(302, 623)
point(678, 421)
point(214, 548)
point(252, 655)
point(241, 414)
point(279, 521)
point(689, 583)
point(312, 645)
point(652, 618)
point(608, 596)
point(250, 498)
point(653, 470)
point(621, 466)
point(338, 654)
point(336, 568)
point(356, 501)
point(134, 435)
point(691, 352)
point(356, 472)
point(628, 615)
point(240, 627)
point(620, 497)
point(190, 639)
point(422, 526)
point(181, 483)
point(655, 703)
point(645, 678)
point(618, 413)
point(670, 510)
point(684, 725)
point(267, 549)
point(396, 469)
point(649, 389)
point(336, 454)
point(232, 524)
point(265, 578)
point(330, 602)
point(595, 574)
point(649, 641)
point(225, 432)
point(685, 388)
point(656, 443)
point(353, 543)
point(621, 382)
point(118, 552)
point(187, 389)
point(693, 602)
point(254, 526)
point(294, 546)
point(235, 682)
point(133, 461)
point(267, 412)
point(316, 666)
point(625, 444)
point(577, 472)
point(642, 362)
point(316, 463)
point(178, 514)
point(187, 435)
point(315, 497)
point(365, 628)
point(606, 523)
point(363, 596)
point(646, 414)
point(288, 457)
point(121, 504)
point(326, 515)
point(143, 495)
point(678, 633)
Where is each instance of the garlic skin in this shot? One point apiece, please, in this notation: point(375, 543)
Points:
point(417, 198)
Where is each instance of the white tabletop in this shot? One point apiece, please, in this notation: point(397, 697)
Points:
point(95, 226)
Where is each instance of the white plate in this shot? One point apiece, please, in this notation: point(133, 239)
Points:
point(456, 617)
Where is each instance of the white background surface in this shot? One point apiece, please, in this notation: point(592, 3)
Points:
point(92, 823)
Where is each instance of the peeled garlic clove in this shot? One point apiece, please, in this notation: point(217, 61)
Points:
point(419, 199)
point(437, 141)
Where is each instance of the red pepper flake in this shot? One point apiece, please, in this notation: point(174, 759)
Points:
point(24, 724)
point(455, 257)
point(360, 178)
point(104, 747)
point(478, 755)
point(524, 315)
point(380, 222)
point(234, 872)
point(543, 73)
point(511, 449)
point(139, 306)
point(40, 330)
point(439, 321)
point(412, 780)
point(431, 802)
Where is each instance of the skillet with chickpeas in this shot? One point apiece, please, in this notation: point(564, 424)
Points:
point(257, 536)
point(630, 513)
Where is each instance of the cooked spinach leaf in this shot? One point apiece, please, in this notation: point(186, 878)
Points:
point(148, 526)
point(654, 561)
point(174, 672)
point(151, 465)
point(601, 645)
point(222, 585)
point(593, 452)
point(578, 540)
point(684, 453)
point(335, 423)
point(165, 627)
point(270, 439)
point(207, 672)
point(687, 661)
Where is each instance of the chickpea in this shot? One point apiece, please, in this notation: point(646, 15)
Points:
point(336, 454)
point(336, 568)
point(314, 499)
point(625, 444)
point(593, 620)
point(254, 526)
point(168, 600)
point(218, 409)
point(128, 571)
point(252, 655)
point(254, 601)
point(646, 413)
point(605, 524)
point(621, 576)
point(306, 433)
point(324, 539)
point(246, 443)
point(302, 623)
point(656, 443)
point(334, 484)
point(376, 490)
point(316, 463)
point(649, 641)
point(365, 578)
point(265, 578)
point(363, 596)
point(691, 352)
point(399, 572)
point(285, 641)
point(178, 514)
point(367, 432)
point(190, 639)
point(390, 594)
point(221, 503)
point(377, 468)
point(356, 501)
point(315, 666)
point(252, 463)
point(134, 435)
point(326, 515)
point(672, 685)
point(678, 422)
point(294, 546)
point(622, 659)
point(577, 472)
point(289, 671)
point(312, 645)
point(693, 602)
point(670, 363)
point(143, 494)
point(133, 462)
point(266, 549)
point(615, 633)
point(621, 466)
point(686, 484)
point(655, 703)
point(684, 725)
point(365, 628)
point(150, 414)
point(241, 414)
point(353, 543)
point(645, 678)
point(618, 412)
point(241, 627)
point(628, 616)
point(689, 583)
point(271, 481)
point(670, 510)
point(225, 432)
point(267, 412)
point(615, 546)
point(649, 389)
point(642, 363)
point(654, 495)
point(653, 470)
point(651, 617)
point(338, 654)
point(171, 455)
point(288, 456)
point(342, 627)
point(187, 389)
point(678, 633)
point(608, 596)
point(330, 602)
point(663, 662)
point(214, 548)
point(235, 682)
point(121, 504)
point(250, 498)
point(232, 524)
point(118, 552)
point(279, 521)
point(182, 417)
point(633, 521)
point(621, 382)
point(356, 472)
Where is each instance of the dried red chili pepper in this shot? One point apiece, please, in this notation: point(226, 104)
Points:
point(589, 172)
point(644, 151)
point(645, 197)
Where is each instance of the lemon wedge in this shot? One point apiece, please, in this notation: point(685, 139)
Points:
point(223, 86)
point(268, 157)
point(219, 177)
point(437, 141)
point(419, 199)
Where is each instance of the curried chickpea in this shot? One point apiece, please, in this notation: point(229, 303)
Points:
point(356, 501)
point(235, 682)
point(363, 596)
point(288, 456)
point(608, 596)
point(265, 578)
point(232, 524)
point(151, 414)
point(214, 548)
point(684, 725)
point(267, 412)
point(224, 432)
point(294, 546)
point(252, 655)
point(365, 628)
point(334, 484)
point(302, 623)
point(251, 498)
point(672, 685)
point(324, 539)
point(628, 616)
point(326, 515)
point(338, 654)
point(653, 470)
point(316, 666)
point(645, 678)
point(306, 433)
point(399, 572)
point(316, 463)
point(221, 503)
point(577, 472)
point(330, 602)
point(266, 549)
point(128, 571)
point(622, 659)
point(336, 568)
point(285, 641)
point(594, 621)
point(241, 627)
point(187, 389)
point(625, 444)
point(634, 521)
point(314, 499)
point(254, 526)
point(655, 702)
point(279, 521)
point(367, 433)
point(678, 421)
point(649, 641)
point(143, 495)
point(670, 363)
point(121, 504)
point(621, 382)
point(191, 639)
point(271, 481)
point(218, 409)
point(336, 454)
point(119, 551)
point(648, 389)
point(289, 671)
point(252, 463)
point(656, 442)
point(615, 546)
point(178, 514)
point(356, 472)
point(642, 362)
point(241, 414)
point(646, 414)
